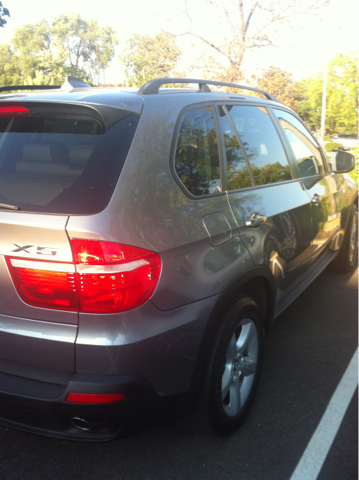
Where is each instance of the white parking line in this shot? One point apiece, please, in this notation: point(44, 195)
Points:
point(313, 458)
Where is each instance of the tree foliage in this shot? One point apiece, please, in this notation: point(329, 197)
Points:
point(280, 84)
point(330, 146)
point(9, 70)
point(147, 57)
point(4, 12)
point(89, 47)
point(342, 96)
point(48, 51)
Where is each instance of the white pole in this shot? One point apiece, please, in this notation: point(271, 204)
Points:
point(324, 104)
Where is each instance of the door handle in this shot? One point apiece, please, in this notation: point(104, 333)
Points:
point(255, 220)
point(315, 199)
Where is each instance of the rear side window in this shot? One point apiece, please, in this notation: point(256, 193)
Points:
point(304, 146)
point(261, 143)
point(62, 159)
point(197, 157)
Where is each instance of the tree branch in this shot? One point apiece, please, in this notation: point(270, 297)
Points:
point(243, 23)
point(250, 15)
point(210, 44)
point(234, 33)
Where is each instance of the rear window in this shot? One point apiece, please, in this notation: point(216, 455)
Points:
point(62, 159)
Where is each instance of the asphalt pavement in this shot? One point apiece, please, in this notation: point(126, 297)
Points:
point(308, 350)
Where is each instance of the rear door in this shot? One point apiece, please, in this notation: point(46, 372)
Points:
point(212, 254)
point(271, 207)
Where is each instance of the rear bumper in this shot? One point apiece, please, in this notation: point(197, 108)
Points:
point(41, 407)
point(147, 355)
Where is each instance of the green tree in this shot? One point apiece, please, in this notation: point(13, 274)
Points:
point(48, 51)
point(88, 47)
point(10, 72)
point(147, 57)
point(4, 12)
point(33, 51)
point(280, 84)
point(342, 96)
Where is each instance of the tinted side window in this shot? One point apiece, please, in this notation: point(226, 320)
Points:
point(197, 158)
point(237, 169)
point(305, 150)
point(261, 143)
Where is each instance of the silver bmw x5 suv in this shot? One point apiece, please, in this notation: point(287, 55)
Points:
point(147, 241)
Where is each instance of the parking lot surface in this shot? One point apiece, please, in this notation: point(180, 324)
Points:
point(308, 349)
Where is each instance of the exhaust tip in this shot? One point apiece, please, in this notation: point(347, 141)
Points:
point(81, 424)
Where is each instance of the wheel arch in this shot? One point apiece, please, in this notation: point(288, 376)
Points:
point(257, 283)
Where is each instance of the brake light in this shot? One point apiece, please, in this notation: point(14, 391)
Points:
point(105, 277)
point(44, 284)
point(94, 398)
point(14, 111)
point(113, 277)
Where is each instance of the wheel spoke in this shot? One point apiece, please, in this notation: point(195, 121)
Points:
point(226, 379)
point(228, 366)
point(240, 367)
point(246, 388)
point(248, 366)
point(225, 387)
point(234, 404)
point(245, 336)
point(232, 350)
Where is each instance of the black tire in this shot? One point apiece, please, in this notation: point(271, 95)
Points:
point(348, 254)
point(217, 412)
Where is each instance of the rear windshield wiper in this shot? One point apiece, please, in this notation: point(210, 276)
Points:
point(9, 207)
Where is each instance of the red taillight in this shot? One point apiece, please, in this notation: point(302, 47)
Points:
point(113, 277)
point(94, 398)
point(45, 284)
point(105, 278)
point(14, 111)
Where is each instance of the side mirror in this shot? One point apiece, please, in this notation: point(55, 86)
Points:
point(342, 162)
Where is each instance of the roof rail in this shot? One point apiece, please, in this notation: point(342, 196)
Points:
point(153, 86)
point(28, 87)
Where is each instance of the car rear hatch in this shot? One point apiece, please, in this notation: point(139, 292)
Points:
point(56, 160)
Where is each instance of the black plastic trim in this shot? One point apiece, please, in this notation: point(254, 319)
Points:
point(30, 388)
point(29, 87)
point(30, 406)
point(315, 270)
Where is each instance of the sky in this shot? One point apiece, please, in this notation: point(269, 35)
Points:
point(302, 51)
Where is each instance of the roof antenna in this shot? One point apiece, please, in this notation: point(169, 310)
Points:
point(73, 82)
